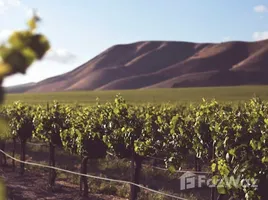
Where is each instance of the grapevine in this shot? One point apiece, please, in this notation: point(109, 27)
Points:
point(233, 140)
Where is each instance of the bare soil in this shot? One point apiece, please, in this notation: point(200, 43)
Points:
point(33, 186)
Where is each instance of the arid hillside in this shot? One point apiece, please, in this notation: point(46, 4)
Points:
point(158, 64)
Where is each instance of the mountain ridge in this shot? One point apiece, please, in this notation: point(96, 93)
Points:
point(164, 64)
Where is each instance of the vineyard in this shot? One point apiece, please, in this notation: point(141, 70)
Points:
point(231, 139)
point(234, 94)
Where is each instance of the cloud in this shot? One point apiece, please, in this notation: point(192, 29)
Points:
point(260, 35)
point(61, 56)
point(226, 38)
point(13, 2)
point(4, 35)
point(260, 9)
point(5, 5)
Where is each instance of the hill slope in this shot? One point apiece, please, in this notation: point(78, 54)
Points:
point(157, 64)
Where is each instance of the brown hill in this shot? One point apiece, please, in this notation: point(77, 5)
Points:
point(158, 64)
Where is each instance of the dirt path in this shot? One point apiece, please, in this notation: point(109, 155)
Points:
point(32, 186)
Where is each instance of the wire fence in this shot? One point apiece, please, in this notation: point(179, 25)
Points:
point(92, 176)
point(158, 168)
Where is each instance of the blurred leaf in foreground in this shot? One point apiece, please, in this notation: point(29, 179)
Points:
point(3, 194)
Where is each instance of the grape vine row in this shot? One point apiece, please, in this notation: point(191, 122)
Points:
point(232, 140)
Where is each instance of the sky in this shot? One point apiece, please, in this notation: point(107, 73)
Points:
point(80, 30)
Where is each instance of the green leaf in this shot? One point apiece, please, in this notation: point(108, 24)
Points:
point(3, 194)
point(221, 189)
point(232, 152)
point(172, 169)
point(253, 144)
point(20, 39)
point(213, 167)
point(5, 69)
point(215, 179)
point(159, 119)
point(4, 130)
point(32, 23)
point(30, 55)
point(16, 60)
point(264, 159)
point(40, 45)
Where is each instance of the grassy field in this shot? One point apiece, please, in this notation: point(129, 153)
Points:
point(181, 95)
